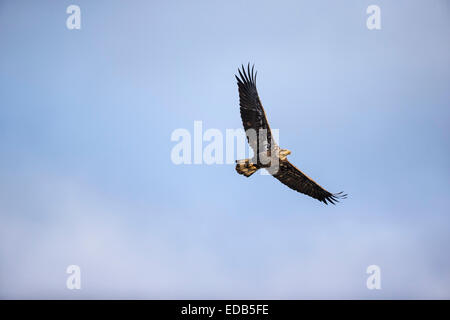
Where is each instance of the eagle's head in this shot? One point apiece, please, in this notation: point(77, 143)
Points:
point(283, 154)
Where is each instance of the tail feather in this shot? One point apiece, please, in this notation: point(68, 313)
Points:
point(246, 167)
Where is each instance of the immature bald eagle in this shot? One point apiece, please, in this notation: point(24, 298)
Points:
point(268, 154)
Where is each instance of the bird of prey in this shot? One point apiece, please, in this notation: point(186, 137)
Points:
point(267, 154)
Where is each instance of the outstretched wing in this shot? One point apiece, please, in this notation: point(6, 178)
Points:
point(252, 112)
point(289, 175)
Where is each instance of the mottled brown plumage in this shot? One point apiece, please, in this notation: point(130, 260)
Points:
point(254, 118)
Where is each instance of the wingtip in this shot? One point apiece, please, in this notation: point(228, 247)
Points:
point(341, 195)
point(247, 75)
point(334, 198)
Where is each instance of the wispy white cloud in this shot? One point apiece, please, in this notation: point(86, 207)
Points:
point(49, 223)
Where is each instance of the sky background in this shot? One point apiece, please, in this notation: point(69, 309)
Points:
point(86, 176)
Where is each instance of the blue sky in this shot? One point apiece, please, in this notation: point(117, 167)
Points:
point(86, 176)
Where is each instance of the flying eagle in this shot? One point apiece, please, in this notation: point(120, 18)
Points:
point(267, 153)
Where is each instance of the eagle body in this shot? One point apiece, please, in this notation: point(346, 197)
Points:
point(268, 154)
